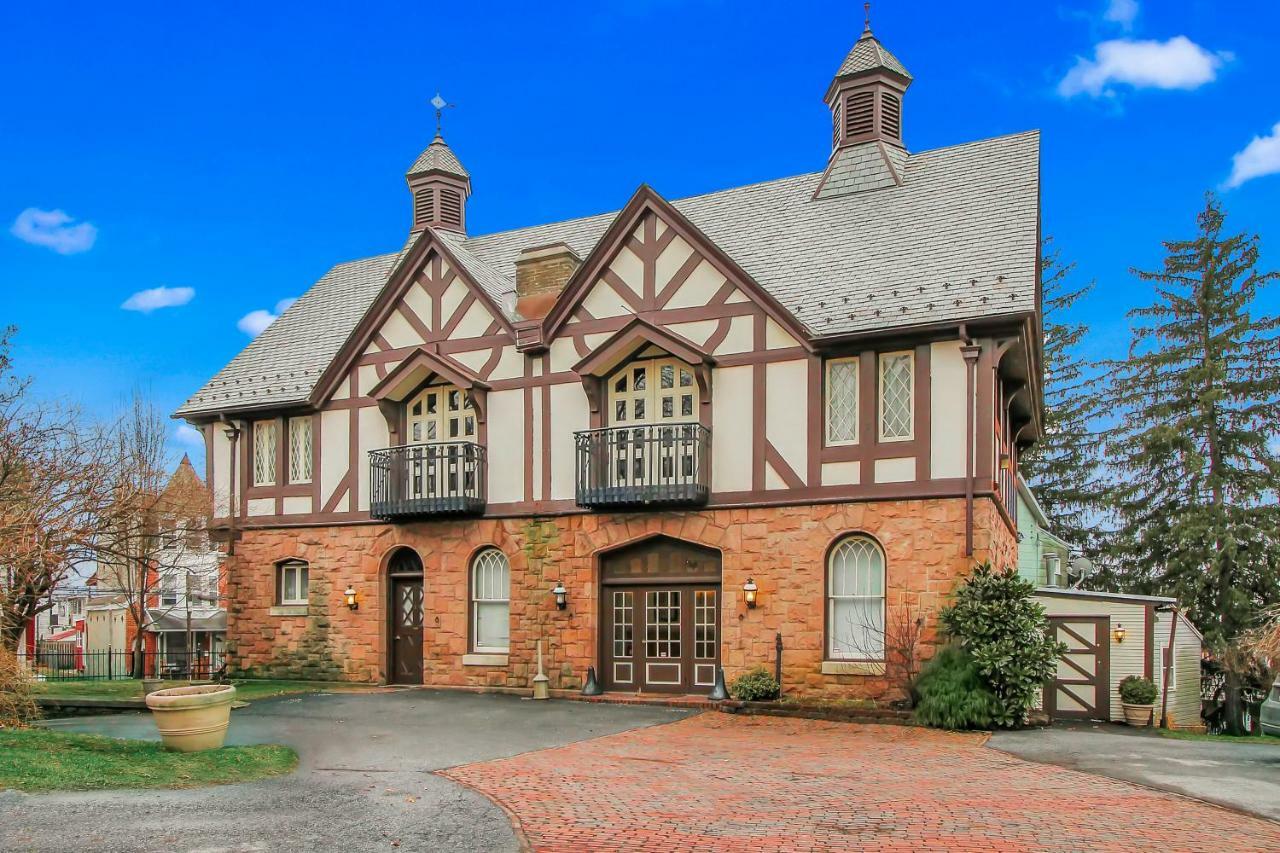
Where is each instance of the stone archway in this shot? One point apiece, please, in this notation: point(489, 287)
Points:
point(660, 617)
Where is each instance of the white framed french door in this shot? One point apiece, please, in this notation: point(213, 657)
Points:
point(659, 398)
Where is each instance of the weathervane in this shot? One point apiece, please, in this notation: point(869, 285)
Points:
point(441, 105)
point(866, 17)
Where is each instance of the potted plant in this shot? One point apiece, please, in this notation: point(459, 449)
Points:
point(194, 717)
point(1138, 698)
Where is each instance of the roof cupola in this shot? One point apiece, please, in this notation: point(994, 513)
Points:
point(865, 97)
point(439, 183)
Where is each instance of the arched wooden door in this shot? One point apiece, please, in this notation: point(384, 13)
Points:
point(660, 617)
point(407, 617)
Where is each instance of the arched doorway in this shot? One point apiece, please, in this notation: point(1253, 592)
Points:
point(660, 617)
point(406, 616)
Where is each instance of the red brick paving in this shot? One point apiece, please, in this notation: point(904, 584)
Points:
point(723, 783)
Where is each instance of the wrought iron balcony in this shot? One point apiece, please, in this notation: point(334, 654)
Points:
point(427, 479)
point(646, 465)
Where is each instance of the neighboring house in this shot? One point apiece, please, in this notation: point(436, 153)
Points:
point(185, 624)
point(1043, 558)
point(602, 436)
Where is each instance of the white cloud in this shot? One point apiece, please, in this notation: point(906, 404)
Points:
point(1178, 63)
point(188, 436)
point(53, 229)
point(147, 301)
point(255, 322)
point(1122, 12)
point(1260, 157)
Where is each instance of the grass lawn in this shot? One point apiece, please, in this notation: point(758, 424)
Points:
point(131, 688)
point(1254, 739)
point(42, 760)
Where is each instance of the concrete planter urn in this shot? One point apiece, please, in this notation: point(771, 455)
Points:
point(1137, 715)
point(151, 685)
point(192, 718)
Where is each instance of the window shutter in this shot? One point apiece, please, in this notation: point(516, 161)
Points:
point(859, 114)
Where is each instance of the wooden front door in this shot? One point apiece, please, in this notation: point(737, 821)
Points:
point(1081, 686)
point(407, 619)
point(660, 618)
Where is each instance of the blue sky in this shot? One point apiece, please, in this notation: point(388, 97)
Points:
point(230, 153)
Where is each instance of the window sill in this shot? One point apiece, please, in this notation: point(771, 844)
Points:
point(289, 610)
point(484, 660)
point(853, 667)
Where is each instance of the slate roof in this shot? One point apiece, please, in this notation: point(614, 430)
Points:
point(439, 156)
point(957, 240)
point(869, 54)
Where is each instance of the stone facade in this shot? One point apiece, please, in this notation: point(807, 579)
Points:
point(782, 548)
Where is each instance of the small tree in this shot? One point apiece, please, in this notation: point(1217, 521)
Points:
point(897, 641)
point(995, 620)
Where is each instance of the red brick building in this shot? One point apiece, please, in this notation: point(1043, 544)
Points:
point(606, 434)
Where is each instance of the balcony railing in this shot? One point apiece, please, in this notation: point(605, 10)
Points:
point(652, 464)
point(427, 479)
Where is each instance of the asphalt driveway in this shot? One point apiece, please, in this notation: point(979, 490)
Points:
point(1237, 775)
point(364, 781)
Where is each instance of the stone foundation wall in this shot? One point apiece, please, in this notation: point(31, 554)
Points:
point(782, 548)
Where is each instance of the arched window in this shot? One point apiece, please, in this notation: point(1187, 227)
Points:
point(855, 600)
point(490, 602)
point(292, 582)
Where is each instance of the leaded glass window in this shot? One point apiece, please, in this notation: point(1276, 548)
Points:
point(300, 450)
point(264, 453)
point(842, 401)
point(896, 392)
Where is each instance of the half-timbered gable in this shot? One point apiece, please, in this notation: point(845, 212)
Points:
point(813, 389)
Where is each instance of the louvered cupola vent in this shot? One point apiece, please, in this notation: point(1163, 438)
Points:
point(424, 208)
point(860, 110)
point(835, 125)
point(891, 115)
point(451, 207)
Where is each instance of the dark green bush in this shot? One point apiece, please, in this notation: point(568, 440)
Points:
point(755, 685)
point(951, 694)
point(994, 618)
point(1136, 690)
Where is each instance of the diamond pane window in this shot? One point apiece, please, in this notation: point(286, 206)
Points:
point(264, 453)
point(896, 392)
point(842, 401)
point(490, 602)
point(855, 600)
point(300, 450)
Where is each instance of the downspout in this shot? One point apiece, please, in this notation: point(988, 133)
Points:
point(1167, 665)
point(970, 351)
point(233, 435)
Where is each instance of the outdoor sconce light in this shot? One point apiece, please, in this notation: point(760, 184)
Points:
point(561, 594)
point(350, 597)
point(749, 590)
point(1118, 633)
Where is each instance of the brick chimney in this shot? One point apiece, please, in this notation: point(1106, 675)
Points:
point(541, 273)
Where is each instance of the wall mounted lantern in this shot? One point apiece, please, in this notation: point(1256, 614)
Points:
point(749, 590)
point(561, 594)
point(351, 598)
point(1118, 633)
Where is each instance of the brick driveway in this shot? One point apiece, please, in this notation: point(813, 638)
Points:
point(725, 783)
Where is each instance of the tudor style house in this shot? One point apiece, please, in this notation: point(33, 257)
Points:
point(655, 441)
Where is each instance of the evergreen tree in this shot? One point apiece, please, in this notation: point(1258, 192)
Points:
point(1197, 403)
point(1062, 468)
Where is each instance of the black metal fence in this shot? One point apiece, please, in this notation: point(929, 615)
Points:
point(62, 662)
point(646, 464)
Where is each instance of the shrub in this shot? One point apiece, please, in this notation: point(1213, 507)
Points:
point(755, 685)
point(951, 694)
point(1136, 690)
point(995, 619)
point(17, 708)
